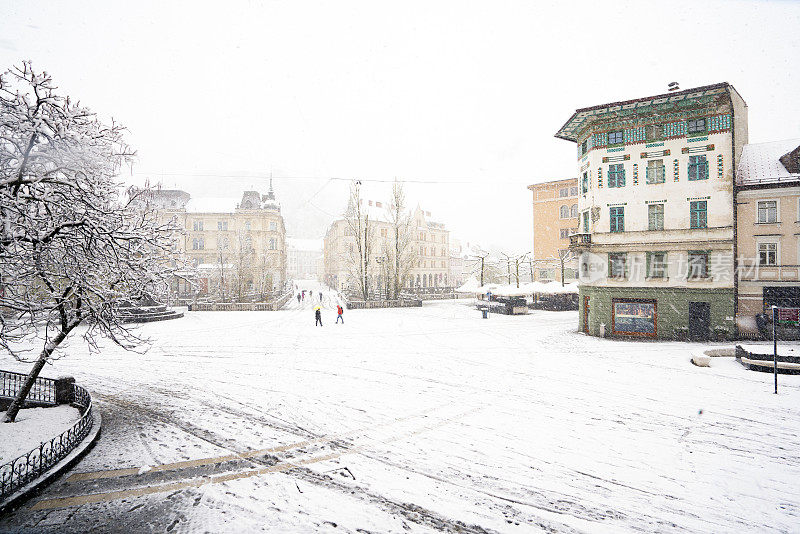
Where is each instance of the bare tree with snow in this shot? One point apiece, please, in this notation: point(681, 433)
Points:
point(360, 227)
point(401, 254)
point(73, 246)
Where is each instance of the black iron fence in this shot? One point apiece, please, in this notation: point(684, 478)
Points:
point(43, 390)
point(32, 465)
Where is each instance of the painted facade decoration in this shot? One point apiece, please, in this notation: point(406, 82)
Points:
point(657, 260)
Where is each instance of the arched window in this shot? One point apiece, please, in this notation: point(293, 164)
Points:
point(564, 212)
point(573, 211)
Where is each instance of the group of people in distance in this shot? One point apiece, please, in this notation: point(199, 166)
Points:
point(301, 296)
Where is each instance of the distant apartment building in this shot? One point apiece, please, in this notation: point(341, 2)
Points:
point(304, 258)
point(430, 249)
point(656, 212)
point(239, 249)
point(768, 230)
point(555, 217)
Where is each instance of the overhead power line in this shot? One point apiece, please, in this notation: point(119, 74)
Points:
point(476, 181)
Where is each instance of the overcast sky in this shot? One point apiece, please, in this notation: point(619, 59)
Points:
point(219, 95)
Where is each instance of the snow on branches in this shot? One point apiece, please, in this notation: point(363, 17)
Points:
point(73, 244)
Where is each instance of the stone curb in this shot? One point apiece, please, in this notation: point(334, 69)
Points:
point(34, 487)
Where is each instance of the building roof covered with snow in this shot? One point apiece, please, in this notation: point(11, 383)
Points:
point(770, 163)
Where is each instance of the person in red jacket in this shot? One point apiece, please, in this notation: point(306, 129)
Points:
point(340, 311)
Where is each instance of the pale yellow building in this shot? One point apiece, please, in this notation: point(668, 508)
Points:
point(429, 252)
point(555, 218)
point(238, 248)
point(768, 230)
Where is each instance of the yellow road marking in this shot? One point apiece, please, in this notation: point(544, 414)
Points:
point(199, 462)
point(66, 502)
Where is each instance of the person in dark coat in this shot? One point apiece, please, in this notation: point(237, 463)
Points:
point(340, 311)
point(318, 316)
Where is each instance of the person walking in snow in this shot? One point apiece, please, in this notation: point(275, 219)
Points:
point(320, 297)
point(298, 298)
point(318, 315)
point(340, 311)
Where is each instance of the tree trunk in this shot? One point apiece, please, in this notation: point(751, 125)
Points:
point(16, 404)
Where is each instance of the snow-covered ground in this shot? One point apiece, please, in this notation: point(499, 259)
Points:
point(422, 419)
point(33, 426)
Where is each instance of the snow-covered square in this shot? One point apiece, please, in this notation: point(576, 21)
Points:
point(422, 419)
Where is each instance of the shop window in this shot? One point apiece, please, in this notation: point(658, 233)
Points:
point(634, 317)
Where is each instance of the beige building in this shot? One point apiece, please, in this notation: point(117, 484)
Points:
point(768, 230)
point(555, 218)
point(429, 251)
point(303, 258)
point(656, 212)
point(239, 249)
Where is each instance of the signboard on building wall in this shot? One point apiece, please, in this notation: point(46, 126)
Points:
point(787, 316)
point(634, 317)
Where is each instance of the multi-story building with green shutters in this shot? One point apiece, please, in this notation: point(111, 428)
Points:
point(656, 238)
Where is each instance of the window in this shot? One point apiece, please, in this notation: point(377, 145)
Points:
point(197, 226)
point(698, 264)
point(655, 171)
point(222, 225)
point(617, 215)
point(616, 175)
point(273, 243)
point(585, 183)
point(585, 146)
point(655, 217)
point(768, 254)
point(656, 264)
point(247, 225)
point(616, 264)
point(586, 221)
point(273, 226)
point(197, 244)
point(696, 126)
point(654, 132)
point(223, 243)
point(573, 191)
point(615, 138)
point(564, 233)
point(573, 210)
point(564, 212)
point(768, 211)
point(698, 168)
point(384, 232)
point(698, 215)
point(547, 273)
point(563, 192)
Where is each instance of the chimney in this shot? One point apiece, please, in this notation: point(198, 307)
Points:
point(673, 86)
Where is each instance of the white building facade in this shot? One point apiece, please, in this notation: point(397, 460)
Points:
point(656, 213)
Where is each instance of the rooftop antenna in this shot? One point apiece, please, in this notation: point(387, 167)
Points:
point(673, 86)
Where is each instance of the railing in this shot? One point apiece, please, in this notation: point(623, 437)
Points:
point(30, 466)
point(580, 240)
point(43, 390)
